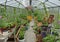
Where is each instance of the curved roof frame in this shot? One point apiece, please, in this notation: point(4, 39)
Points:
point(51, 3)
point(19, 3)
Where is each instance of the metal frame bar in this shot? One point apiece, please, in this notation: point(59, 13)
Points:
point(30, 2)
point(16, 7)
point(44, 2)
point(53, 3)
point(7, 1)
point(19, 3)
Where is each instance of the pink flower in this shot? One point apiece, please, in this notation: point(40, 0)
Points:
point(0, 17)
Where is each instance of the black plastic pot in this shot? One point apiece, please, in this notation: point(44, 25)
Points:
point(44, 28)
point(44, 34)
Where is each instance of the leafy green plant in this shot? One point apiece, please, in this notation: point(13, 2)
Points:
point(21, 35)
point(49, 38)
point(22, 29)
point(39, 19)
point(36, 12)
point(23, 16)
point(45, 23)
point(23, 21)
point(37, 30)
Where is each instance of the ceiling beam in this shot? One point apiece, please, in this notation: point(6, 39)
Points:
point(19, 3)
point(30, 2)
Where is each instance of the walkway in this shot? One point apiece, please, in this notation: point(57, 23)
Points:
point(29, 35)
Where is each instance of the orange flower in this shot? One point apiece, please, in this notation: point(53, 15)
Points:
point(29, 18)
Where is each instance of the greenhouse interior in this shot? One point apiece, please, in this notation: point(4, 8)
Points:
point(29, 20)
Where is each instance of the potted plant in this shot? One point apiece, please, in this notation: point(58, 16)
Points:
point(36, 13)
point(37, 31)
point(3, 25)
point(39, 21)
point(21, 35)
point(49, 38)
point(29, 15)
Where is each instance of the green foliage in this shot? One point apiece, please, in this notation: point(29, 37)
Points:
point(21, 35)
point(49, 38)
point(58, 40)
point(36, 12)
point(37, 29)
point(3, 23)
point(45, 23)
point(23, 16)
point(22, 29)
point(23, 21)
point(39, 19)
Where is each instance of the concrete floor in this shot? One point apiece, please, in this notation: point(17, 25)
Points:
point(29, 35)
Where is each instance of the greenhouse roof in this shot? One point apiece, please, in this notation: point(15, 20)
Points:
point(25, 3)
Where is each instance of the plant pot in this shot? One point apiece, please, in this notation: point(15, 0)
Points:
point(23, 40)
point(44, 28)
point(1, 31)
point(5, 28)
point(39, 37)
point(44, 34)
point(13, 26)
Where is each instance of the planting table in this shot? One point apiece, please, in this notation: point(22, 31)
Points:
point(5, 35)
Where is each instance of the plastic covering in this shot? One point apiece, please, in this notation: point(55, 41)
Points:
point(14, 3)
